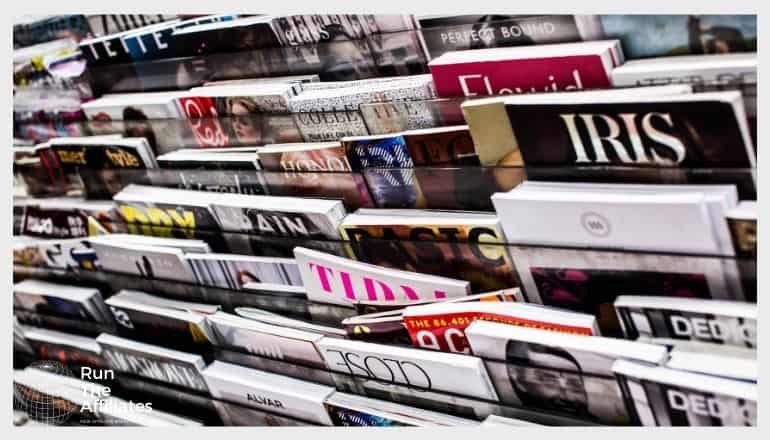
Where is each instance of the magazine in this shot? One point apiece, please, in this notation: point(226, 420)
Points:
point(336, 280)
point(270, 392)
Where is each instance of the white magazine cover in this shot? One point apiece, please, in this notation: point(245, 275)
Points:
point(237, 415)
point(154, 105)
point(228, 271)
point(729, 362)
point(152, 262)
point(662, 396)
point(89, 397)
point(724, 323)
point(716, 69)
point(160, 206)
point(416, 368)
point(48, 336)
point(184, 244)
point(153, 362)
point(282, 321)
point(267, 340)
point(279, 216)
point(493, 340)
point(720, 199)
point(267, 391)
point(336, 280)
point(608, 219)
point(565, 373)
point(349, 98)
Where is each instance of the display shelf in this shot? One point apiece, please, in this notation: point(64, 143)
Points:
point(290, 305)
point(388, 54)
point(585, 280)
point(257, 128)
point(457, 405)
point(429, 187)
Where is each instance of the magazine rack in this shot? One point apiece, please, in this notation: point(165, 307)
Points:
point(466, 188)
point(252, 129)
point(295, 306)
point(462, 406)
point(555, 276)
point(387, 54)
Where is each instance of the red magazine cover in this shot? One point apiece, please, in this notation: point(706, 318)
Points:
point(204, 122)
point(527, 69)
point(442, 327)
point(541, 75)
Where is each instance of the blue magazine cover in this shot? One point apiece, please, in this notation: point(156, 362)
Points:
point(644, 36)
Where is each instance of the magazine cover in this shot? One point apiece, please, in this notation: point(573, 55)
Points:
point(541, 68)
point(335, 280)
point(562, 372)
point(645, 36)
point(459, 406)
point(270, 392)
point(442, 326)
point(61, 300)
point(167, 211)
point(237, 415)
point(274, 216)
point(350, 188)
point(686, 130)
point(233, 272)
point(154, 362)
point(726, 323)
point(70, 349)
point(396, 116)
point(170, 323)
point(352, 410)
point(142, 260)
point(661, 396)
point(464, 245)
point(444, 34)
point(587, 281)
point(266, 340)
point(330, 126)
point(416, 368)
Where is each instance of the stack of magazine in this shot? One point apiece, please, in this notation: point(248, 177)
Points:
point(385, 220)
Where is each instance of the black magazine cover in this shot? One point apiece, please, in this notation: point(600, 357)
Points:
point(699, 133)
point(448, 34)
point(158, 329)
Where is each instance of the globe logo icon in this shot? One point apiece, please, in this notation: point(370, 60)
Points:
point(40, 406)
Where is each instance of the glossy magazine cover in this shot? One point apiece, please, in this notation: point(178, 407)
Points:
point(645, 36)
point(587, 281)
point(475, 254)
